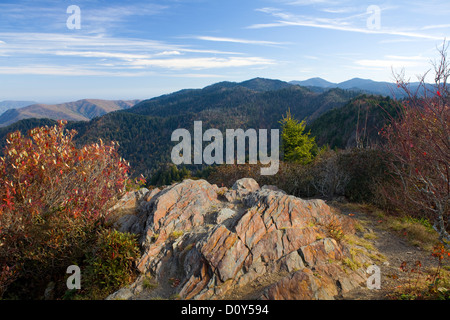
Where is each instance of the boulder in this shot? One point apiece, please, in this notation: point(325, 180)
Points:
point(241, 188)
point(225, 214)
point(245, 185)
point(175, 211)
point(216, 248)
point(124, 214)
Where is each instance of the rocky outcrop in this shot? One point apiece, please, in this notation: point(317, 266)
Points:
point(204, 242)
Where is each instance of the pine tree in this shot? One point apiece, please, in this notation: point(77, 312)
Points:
point(297, 146)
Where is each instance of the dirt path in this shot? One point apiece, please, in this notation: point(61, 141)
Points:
point(395, 248)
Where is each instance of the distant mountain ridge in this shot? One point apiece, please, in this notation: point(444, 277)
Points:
point(315, 82)
point(252, 96)
point(144, 130)
point(11, 104)
point(87, 109)
point(256, 84)
point(81, 110)
point(358, 84)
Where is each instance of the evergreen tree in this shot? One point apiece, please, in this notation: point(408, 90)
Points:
point(297, 146)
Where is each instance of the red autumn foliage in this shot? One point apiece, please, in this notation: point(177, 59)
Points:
point(419, 145)
point(52, 196)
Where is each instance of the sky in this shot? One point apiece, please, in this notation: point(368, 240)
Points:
point(58, 50)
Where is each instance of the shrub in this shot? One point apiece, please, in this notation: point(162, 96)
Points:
point(329, 178)
point(366, 170)
point(419, 144)
point(53, 196)
point(110, 265)
point(355, 174)
point(291, 177)
point(421, 284)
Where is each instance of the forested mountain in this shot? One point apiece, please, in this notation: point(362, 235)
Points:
point(257, 84)
point(358, 123)
point(258, 98)
point(81, 110)
point(360, 85)
point(144, 131)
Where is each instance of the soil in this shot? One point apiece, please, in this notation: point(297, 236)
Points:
point(396, 249)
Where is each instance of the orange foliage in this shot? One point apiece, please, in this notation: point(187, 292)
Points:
point(52, 195)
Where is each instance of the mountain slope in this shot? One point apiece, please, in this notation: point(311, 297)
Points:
point(144, 131)
point(10, 104)
point(383, 88)
point(357, 123)
point(357, 84)
point(256, 84)
point(315, 82)
point(81, 110)
point(253, 98)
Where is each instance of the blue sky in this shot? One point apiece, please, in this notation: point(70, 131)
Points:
point(142, 49)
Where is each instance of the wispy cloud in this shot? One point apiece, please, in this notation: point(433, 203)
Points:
point(102, 55)
point(94, 18)
point(111, 17)
point(169, 53)
point(393, 61)
point(196, 75)
point(242, 41)
point(436, 26)
point(99, 54)
point(309, 2)
point(137, 67)
point(58, 70)
point(202, 63)
point(346, 23)
point(339, 10)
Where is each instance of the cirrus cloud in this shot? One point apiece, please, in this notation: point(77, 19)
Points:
point(102, 55)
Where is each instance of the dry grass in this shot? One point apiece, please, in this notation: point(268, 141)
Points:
point(414, 281)
point(358, 244)
point(418, 232)
point(430, 284)
point(370, 235)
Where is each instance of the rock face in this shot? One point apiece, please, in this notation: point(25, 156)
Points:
point(245, 242)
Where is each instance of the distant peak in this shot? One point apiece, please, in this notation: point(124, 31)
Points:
point(315, 82)
point(256, 84)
